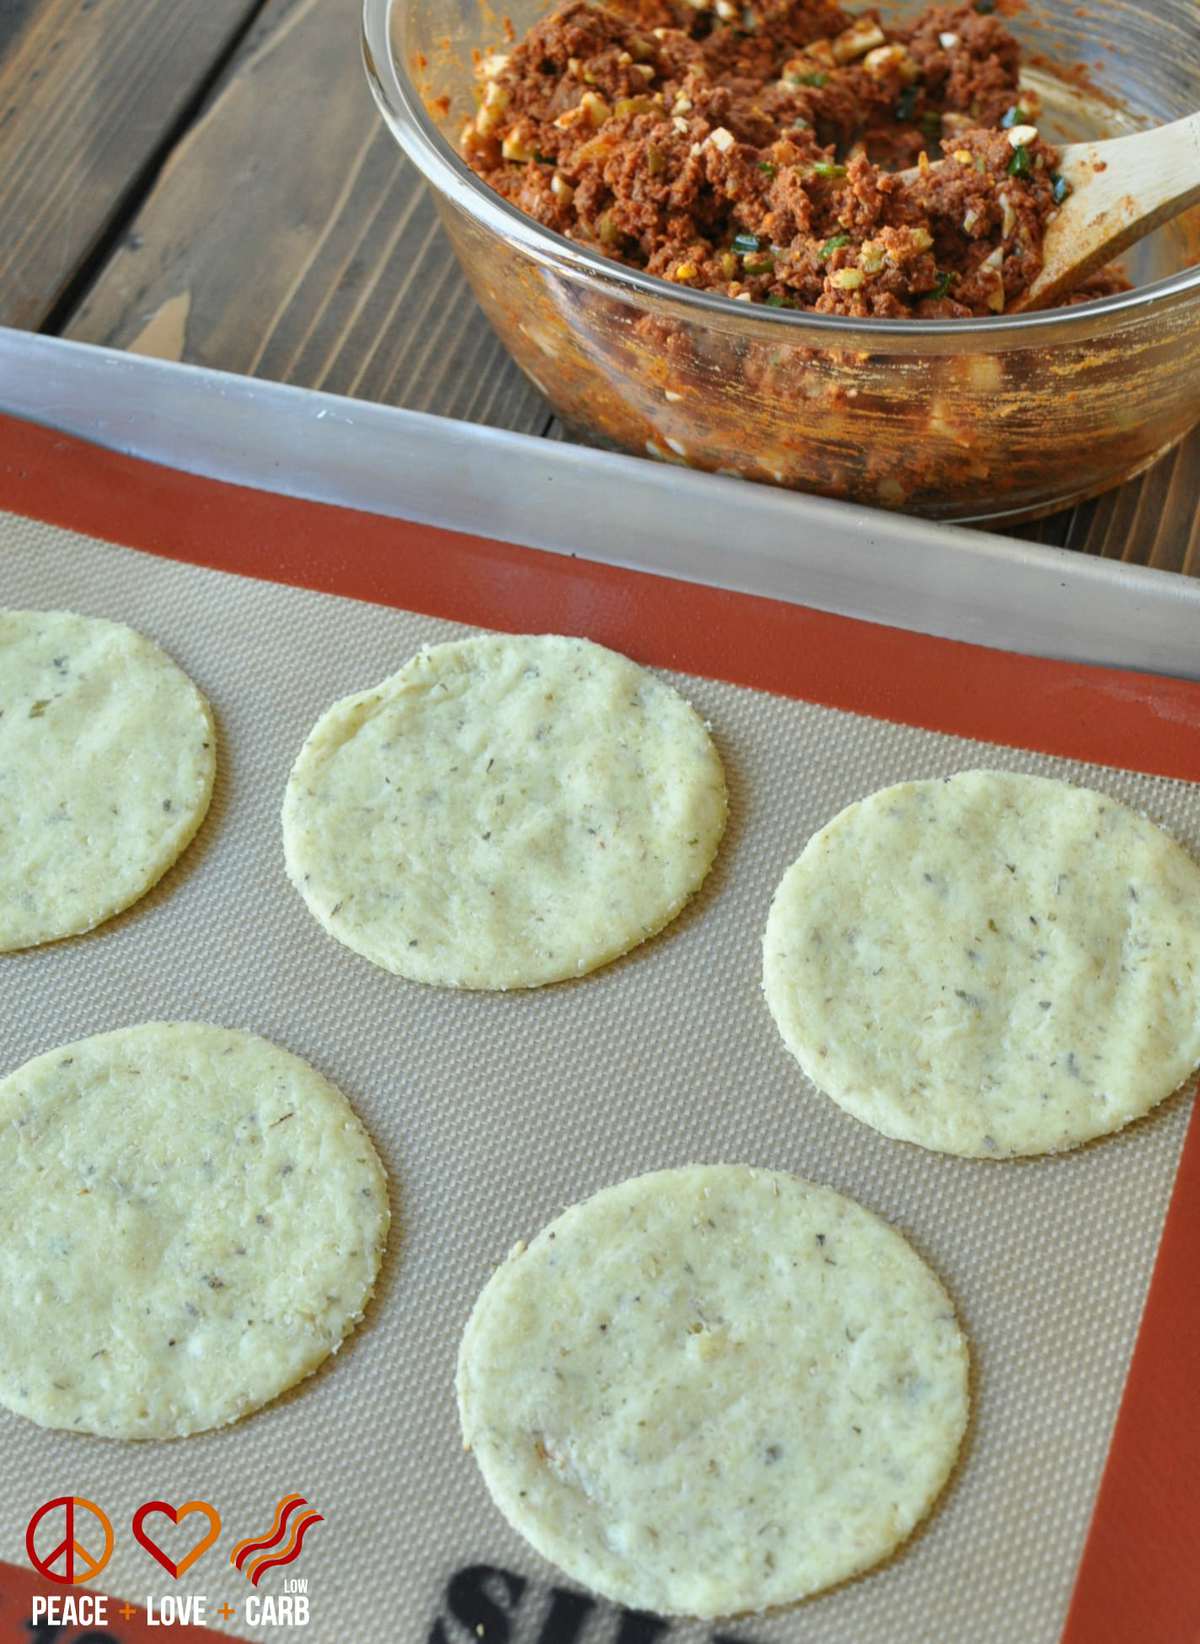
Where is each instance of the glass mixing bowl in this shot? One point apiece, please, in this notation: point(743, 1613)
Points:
point(992, 420)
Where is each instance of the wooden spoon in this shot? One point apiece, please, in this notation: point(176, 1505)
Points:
point(1121, 190)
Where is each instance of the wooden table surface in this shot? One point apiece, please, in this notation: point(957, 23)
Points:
point(208, 180)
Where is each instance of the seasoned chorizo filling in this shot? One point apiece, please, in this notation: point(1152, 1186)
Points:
point(780, 151)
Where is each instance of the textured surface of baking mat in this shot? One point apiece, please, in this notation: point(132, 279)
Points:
point(493, 1112)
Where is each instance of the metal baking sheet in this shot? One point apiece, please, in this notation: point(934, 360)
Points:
point(491, 1113)
point(627, 511)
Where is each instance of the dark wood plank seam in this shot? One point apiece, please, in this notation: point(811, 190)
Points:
point(131, 200)
point(124, 38)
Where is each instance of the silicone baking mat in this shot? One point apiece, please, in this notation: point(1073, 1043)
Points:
point(493, 1112)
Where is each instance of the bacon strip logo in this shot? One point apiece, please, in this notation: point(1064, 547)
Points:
point(294, 1517)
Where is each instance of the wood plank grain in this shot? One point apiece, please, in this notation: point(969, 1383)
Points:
point(89, 89)
point(290, 238)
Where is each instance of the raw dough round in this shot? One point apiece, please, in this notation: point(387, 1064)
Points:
point(991, 964)
point(191, 1219)
point(505, 811)
point(712, 1390)
point(106, 771)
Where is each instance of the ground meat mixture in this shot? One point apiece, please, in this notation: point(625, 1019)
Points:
point(780, 151)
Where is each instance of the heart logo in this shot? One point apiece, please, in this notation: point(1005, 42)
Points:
point(177, 1515)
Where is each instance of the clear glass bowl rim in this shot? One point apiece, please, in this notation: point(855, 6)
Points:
point(404, 110)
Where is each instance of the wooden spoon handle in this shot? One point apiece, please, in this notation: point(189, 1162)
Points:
point(1121, 190)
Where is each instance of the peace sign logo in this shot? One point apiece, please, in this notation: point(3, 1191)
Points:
point(68, 1559)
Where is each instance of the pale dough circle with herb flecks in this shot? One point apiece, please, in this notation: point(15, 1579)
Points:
point(506, 811)
point(106, 771)
point(191, 1220)
point(990, 964)
point(713, 1390)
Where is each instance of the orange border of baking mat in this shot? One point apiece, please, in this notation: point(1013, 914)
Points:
point(18, 1587)
point(1139, 1577)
